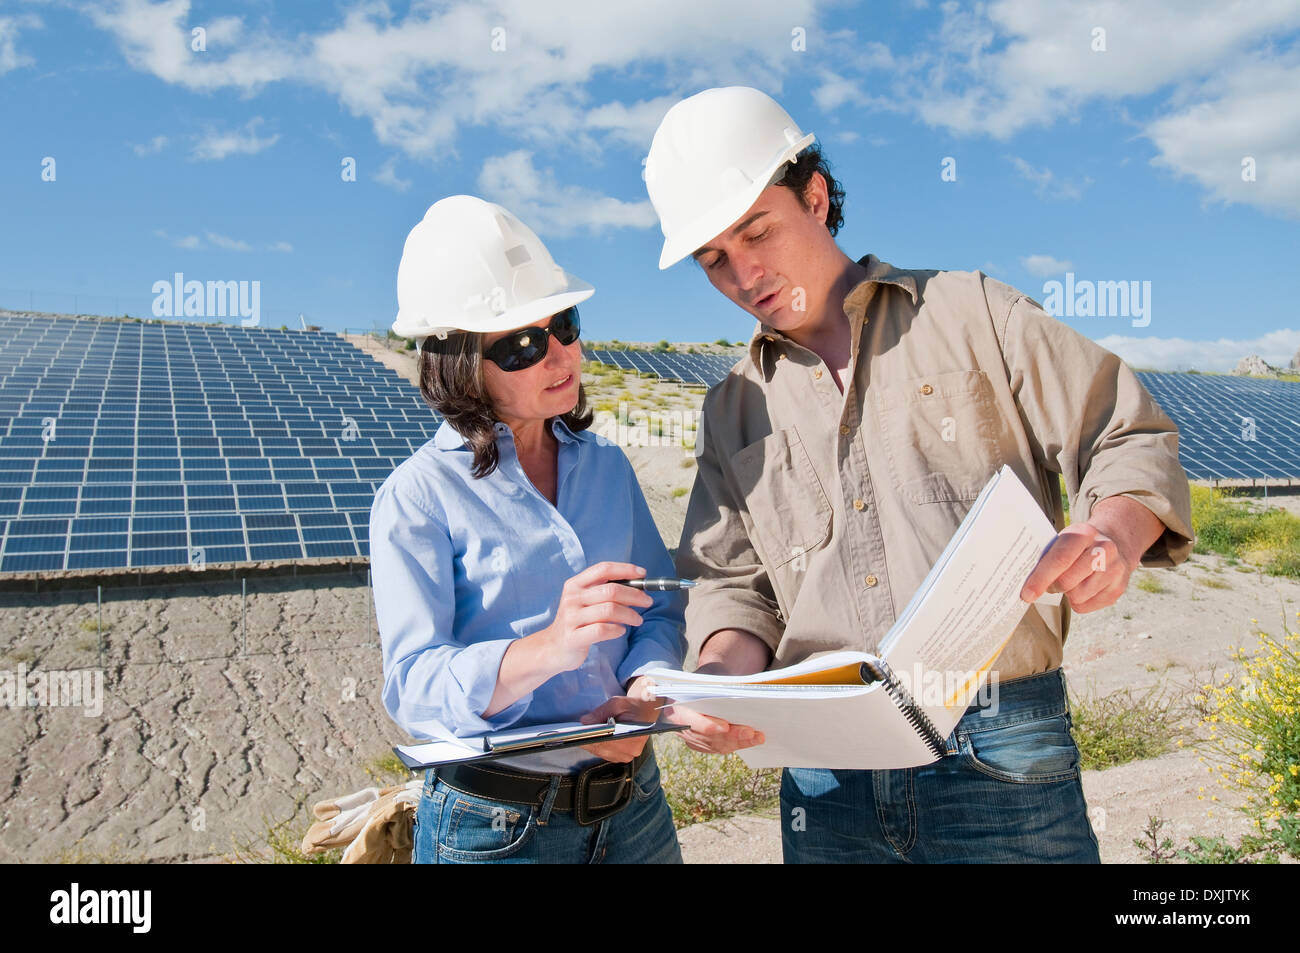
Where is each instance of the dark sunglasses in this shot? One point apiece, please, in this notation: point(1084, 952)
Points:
point(525, 347)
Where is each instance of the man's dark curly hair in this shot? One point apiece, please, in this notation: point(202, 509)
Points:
point(799, 173)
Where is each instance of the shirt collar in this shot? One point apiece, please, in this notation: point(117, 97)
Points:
point(855, 302)
point(449, 438)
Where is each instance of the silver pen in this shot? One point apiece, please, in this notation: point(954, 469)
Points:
point(657, 585)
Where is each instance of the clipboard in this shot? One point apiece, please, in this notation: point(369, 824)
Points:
point(504, 744)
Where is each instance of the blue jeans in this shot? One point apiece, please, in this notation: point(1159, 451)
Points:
point(452, 827)
point(1007, 791)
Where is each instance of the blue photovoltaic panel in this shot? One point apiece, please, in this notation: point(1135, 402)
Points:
point(1232, 427)
point(129, 445)
point(1229, 427)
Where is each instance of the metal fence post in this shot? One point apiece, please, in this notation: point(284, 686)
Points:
point(243, 614)
point(369, 629)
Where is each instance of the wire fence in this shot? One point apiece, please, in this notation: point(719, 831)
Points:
point(137, 306)
point(141, 306)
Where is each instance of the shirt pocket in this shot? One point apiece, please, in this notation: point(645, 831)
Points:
point(788, 508)
point(940, 435)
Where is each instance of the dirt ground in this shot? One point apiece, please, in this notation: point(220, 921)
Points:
point(202, 745)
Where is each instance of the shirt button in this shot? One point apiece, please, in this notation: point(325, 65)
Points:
point(858, 504)
point(927, 389)
point(817, 375)
point(780, 357)
point(844, 430)
point(871, 581)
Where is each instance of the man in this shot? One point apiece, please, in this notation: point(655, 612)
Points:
point(839, 456)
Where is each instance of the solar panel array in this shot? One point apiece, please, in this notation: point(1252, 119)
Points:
point(131, 445)
point(1229, 427)
point(704, 369)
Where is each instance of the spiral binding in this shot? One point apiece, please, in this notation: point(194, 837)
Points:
point(915, 716)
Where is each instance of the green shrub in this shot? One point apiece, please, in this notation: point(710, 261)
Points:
point(1123, 726)
point(1253, 721)
point(701, 787)
point(1149, 583)
point(1269, 539)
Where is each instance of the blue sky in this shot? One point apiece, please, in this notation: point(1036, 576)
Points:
point(1122, 163)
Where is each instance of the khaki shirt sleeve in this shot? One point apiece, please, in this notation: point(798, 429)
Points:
point(733, 590)
point(1089, 418)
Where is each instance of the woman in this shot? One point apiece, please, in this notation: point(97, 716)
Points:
point(494, 549)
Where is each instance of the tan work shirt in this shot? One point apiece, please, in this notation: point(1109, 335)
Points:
point(815, 515)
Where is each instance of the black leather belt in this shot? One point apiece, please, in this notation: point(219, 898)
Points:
point(593, 794)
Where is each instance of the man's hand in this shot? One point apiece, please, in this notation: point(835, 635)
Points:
point(636, 705)
point(713, 735)
point(725, 652)
point(1091, 562)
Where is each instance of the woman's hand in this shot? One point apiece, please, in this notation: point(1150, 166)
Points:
point(593, 609)
point(637, 705)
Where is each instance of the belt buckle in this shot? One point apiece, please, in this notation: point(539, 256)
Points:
point(583, 811)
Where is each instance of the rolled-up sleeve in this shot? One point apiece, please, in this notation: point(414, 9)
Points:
point(433, 684)
point(658, 642)
point(1090, 419)
point(733, 591)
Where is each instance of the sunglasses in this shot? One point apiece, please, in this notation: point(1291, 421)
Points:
point(525, 347)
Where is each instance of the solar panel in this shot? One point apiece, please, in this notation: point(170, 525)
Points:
point(1229, 427)
point(171, 438)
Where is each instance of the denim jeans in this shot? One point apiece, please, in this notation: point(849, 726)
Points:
point(1007, 791)
point(452, 827)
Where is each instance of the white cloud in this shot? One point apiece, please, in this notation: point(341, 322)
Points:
point(1179, 354)
point(217, 240)
point(834, 91)
point(387, 175)
point(1016, 63)
point(1249, 116)
point(1222, 74)
point(552, 209)
point(155, 144)
point(219, 145)
point(633, 124)
point(229, 244)
point(1046, 184)
point(10, 58)
point(155, 38)
point(1044, 265)
point(419, 77)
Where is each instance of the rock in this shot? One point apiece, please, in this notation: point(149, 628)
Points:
point(1255, 366)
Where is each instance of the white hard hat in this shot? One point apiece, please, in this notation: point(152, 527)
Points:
point(470, 265)
point(712, 155)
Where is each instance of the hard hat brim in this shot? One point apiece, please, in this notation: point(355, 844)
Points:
point(575, 291)
point(717, 219)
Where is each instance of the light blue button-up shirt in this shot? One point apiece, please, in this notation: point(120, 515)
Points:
point(462, 567)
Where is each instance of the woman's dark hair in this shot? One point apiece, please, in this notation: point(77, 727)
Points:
point(799, 173)
point(451, 382)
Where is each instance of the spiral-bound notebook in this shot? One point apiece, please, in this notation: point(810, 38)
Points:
point(896, 708)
